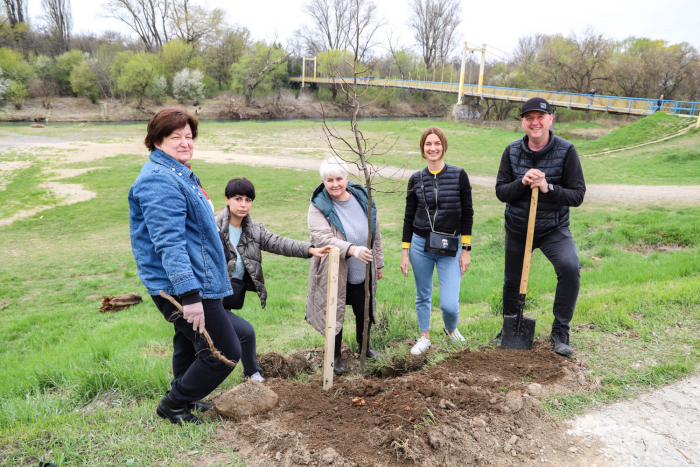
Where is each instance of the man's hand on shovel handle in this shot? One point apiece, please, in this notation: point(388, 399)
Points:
point(194, 314)
point(533, 177)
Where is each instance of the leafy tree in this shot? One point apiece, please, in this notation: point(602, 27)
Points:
point(136, 74)
point(231, 46)
point(83, 81)
point(64, 67)
point(334, 63)
point(16, 93)
point(14, 67)
point(262, 67)
point(188, 85)
point(177, 55)
point(157, 88)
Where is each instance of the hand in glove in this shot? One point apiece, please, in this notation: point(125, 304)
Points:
point(362, 253)
point(194, 314)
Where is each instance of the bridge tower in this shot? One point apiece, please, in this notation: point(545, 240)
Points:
point(303, 69)
point(464, 64)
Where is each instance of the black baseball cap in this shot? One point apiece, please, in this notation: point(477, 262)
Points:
point(536, 103)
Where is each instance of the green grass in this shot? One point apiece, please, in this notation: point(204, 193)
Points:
point(646, 129)
point(79, 387)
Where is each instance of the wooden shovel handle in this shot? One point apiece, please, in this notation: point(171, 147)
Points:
point(528, 241)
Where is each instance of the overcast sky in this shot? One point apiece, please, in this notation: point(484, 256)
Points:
point(498, 23)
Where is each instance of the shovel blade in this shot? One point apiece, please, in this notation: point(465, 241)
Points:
point(514, 338)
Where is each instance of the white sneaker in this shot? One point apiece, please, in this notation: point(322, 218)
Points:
point(455, 336)
point(257, 377)
point(421, 346)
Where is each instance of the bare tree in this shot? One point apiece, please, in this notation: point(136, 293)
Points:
point(435, 23)
point(358, 151)
point(191, 23)
point(16, 11)
point(147, 18)
point(334, 21)
point(59, 22)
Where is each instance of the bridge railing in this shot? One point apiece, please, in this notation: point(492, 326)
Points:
point(613, 104)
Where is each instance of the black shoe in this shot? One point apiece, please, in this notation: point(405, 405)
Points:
point(560, 342)
point(338, 365)
point(371, 353)
point(199, 406)
point(496, 340)
point(176, 413)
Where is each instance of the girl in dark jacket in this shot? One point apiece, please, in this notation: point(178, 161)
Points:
point(439, 199)
point(246, 239)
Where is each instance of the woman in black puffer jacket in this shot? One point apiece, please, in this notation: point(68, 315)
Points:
point(246, 239)
point(439, 199)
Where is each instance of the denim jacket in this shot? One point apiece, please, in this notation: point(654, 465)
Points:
point(174, 236)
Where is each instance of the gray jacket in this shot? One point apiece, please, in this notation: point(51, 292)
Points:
point(255, 238)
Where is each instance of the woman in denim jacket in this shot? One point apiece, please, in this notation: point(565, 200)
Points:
point(178, 250)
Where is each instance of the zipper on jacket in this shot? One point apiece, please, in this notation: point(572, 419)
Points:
point(435, 188)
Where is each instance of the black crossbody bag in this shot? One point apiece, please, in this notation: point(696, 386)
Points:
point(437, 242)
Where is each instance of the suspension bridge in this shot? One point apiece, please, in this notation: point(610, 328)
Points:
point(597, 102)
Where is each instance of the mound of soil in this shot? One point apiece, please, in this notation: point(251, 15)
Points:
point(473, 408)
point(275, 365)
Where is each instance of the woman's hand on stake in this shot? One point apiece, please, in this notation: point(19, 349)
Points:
point(194, 314)
point(404, 262)
point(320, 252)
point(464, 261)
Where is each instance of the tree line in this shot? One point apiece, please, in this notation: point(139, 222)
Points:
point(179, 49)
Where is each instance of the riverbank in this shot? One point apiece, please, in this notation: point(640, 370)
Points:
point(224, 107)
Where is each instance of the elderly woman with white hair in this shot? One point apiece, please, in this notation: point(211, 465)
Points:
point(338, 217)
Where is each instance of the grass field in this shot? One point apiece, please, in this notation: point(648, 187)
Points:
point(79, 387)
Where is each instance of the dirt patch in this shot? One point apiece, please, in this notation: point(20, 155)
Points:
point(473, 408)
point(649, 249)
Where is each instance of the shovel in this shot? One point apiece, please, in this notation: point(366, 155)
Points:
point(519, 331)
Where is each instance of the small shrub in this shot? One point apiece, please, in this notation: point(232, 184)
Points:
point(16, 94)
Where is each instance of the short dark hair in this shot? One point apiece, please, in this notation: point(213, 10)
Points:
point(433, 130)
point(240, 186)
point(165, 122)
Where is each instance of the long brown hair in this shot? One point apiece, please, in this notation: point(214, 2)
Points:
point(433, 130)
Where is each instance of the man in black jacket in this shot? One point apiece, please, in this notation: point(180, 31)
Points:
point(550, 163)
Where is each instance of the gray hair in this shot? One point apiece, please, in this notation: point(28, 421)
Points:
point(333, 166)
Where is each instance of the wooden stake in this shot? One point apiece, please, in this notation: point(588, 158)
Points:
point(331, 309)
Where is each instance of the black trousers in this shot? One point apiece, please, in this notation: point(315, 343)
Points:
point(355, 297)
point(196, 372)
point(559, 248)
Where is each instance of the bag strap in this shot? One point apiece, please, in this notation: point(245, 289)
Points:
point(425, 201)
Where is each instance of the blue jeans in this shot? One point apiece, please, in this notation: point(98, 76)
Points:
point(449, 278)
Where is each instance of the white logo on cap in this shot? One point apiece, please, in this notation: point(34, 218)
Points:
point(543, 105)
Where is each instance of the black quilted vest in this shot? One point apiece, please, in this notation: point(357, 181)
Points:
point(549, 160)
point(449, 202)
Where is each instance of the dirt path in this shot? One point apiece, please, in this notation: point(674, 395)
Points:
point(660, 429)
point(595, 192)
